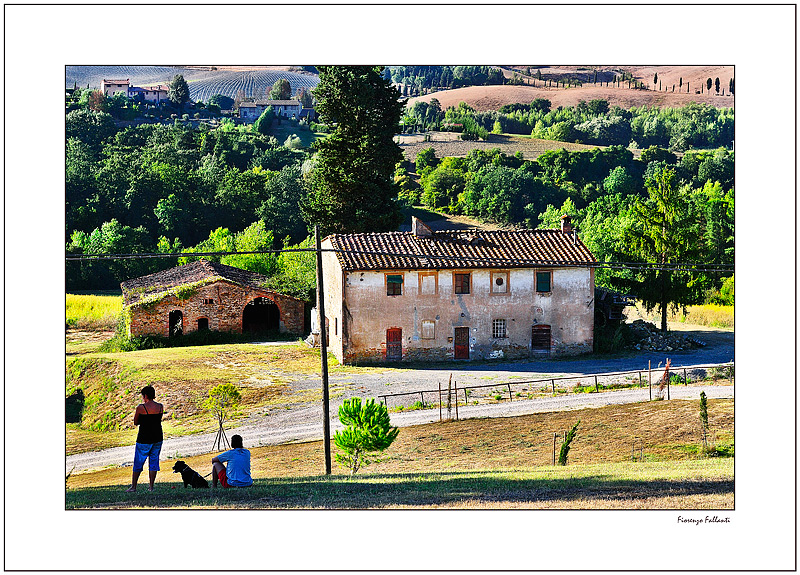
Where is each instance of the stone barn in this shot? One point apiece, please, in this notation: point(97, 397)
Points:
point(207, 295)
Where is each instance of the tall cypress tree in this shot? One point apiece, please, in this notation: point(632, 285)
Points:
point(352, 187)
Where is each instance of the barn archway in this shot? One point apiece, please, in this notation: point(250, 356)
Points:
point(175, 323)
point(261, 314)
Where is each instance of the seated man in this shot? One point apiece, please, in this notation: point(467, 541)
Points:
point(237, 473)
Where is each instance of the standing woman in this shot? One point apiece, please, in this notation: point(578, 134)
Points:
point(148, 442)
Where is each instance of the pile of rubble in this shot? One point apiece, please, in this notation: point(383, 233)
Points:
point(648, 337)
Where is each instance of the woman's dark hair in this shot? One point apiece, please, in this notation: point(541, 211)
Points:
point(236, 442)
point(148, 392)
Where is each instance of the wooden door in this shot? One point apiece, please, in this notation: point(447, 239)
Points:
point(394, 344)
point(540, 339)
point(461, 341)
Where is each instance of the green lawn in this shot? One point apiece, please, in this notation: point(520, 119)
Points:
point(696, 484)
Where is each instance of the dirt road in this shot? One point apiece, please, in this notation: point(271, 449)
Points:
point(302, 421)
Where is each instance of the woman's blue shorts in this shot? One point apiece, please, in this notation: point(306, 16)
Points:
point(145, 450)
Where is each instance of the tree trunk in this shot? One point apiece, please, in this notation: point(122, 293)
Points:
point(663, 301)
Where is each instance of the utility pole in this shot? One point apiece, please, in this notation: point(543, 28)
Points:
point(323, 343)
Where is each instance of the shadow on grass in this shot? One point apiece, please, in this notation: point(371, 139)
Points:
point(377, 491)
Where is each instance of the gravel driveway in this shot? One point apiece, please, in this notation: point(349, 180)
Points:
point(302, 421)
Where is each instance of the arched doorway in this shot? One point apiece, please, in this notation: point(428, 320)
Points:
point(175, 323)
point(261, 314)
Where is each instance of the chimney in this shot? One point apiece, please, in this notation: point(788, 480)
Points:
point(420, 229)
point(566, 224)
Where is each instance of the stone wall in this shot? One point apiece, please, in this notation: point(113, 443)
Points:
point(222, 303)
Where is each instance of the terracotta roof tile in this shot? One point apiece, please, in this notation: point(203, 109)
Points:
point(134, 289)
point(460, 249)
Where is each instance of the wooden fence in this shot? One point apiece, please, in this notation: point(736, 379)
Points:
point(549, 383)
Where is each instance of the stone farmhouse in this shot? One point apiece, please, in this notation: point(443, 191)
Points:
point(452, 295)
point(153, 94)
point(250, 111)
point(207, 295)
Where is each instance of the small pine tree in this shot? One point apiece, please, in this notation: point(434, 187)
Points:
point(562, 455)
point(367, 430)
point(708, 84)
point(680, 82)
point(655, 78)
point(716, 85)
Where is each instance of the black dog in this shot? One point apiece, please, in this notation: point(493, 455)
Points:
point(189, 476)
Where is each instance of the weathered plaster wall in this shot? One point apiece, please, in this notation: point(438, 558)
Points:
point(568, 309)
point(334, 305)
point(225, 314)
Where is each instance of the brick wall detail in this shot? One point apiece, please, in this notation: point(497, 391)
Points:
point(224, 314)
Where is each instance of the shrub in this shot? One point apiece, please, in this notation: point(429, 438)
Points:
point(367, 431)
point(562, 455)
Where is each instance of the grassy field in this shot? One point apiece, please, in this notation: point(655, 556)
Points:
point(93, 312)
point(477, 463)
point(720, 316)
point(182, 377)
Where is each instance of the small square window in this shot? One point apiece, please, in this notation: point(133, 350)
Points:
point(394, 285)
point(543, 281)
point(499, 328)
point(461, 283)
point(428, 329)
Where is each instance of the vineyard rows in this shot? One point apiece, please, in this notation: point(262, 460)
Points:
point(202, 83)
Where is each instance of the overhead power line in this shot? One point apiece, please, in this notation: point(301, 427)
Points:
point(500, 262)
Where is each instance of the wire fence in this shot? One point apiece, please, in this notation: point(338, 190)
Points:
point(658, 379)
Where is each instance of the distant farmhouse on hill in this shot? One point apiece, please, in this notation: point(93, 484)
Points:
point(250, 111)
point(207, 295)
point(154, 94)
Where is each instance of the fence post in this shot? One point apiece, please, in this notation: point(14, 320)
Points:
point(440, 401)
point(668, 378)
point(422, 398)
point(640, 379)
point(730, 375)
point(466, 398)
point(650, 379)
point(509, 393)
point(553, 382)
point(554, 448)
point(596, 387)
point(455, 384)
point(685, 377)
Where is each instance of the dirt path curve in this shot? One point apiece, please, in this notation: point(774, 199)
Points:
point(303, 421)
point(264, 433)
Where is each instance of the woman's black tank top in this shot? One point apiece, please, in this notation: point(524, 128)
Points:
point(150, 428)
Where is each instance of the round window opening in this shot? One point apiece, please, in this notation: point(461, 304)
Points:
point(499, 281)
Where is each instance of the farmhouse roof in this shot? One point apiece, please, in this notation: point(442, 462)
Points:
point(156, 88)
point(452, 249)
point(135, 289)
point(116, 81)
point(278, 103)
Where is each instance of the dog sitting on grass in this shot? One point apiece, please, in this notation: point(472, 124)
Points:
point(190, 476)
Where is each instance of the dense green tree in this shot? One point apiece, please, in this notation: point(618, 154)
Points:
point(619, 181)
point(352, 184)
point(663, 231)
point(284, 192)
point(708, 84)
point(304, 97)
point(178, 92)
point(89, 127)
point(224, 102)
point(281, 90)
point(263, 124)
point(716, 85)
point(426, 158)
